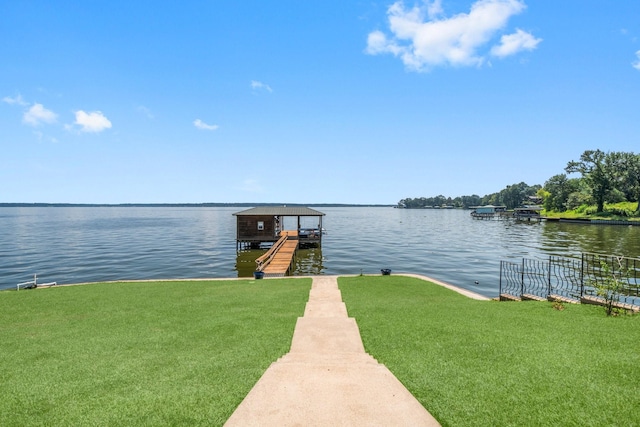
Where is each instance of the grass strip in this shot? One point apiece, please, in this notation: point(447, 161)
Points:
point(152, 353)
point(480, 363)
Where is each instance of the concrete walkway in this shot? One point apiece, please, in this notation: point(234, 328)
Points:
point(327, 379)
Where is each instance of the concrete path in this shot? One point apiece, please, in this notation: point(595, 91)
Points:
point(327, 379)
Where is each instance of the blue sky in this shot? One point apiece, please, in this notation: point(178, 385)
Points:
point(308, 102)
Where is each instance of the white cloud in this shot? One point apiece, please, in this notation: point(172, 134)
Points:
point(202, 125)
point(17, 100)
point(423, 41)
point(147, 112)
point(37, 114)
point(41, 136)
point(636, 64)
point(513, 43)
point(94, 121)
point(259, 86)
point(377, 42)
point(434, 8)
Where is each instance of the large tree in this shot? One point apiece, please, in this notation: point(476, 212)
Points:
point(596, 169)
point(627, 175)
point(559, 187)
point(516, 195)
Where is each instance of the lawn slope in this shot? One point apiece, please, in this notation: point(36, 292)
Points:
point(480, 363)
point(159, 353)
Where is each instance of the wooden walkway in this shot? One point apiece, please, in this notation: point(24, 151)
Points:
point(282, 260)
point(276, 262)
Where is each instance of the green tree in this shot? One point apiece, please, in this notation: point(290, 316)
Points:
point(490, 199)
point(542, 194)
point(596, 169)
point(627, 175)
point(473, 200)
point(559, 187)
point(515, 195)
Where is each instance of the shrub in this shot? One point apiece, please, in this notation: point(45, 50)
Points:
point(610, 286)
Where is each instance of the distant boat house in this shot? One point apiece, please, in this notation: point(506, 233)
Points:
point(527, 213)
point(266, 224)
point(488, 211)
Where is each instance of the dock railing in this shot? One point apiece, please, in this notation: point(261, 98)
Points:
point(265, 259)
point(32, 284)
point(570, 278)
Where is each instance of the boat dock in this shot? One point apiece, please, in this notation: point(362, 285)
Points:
point(284, 228)
point(277, 261)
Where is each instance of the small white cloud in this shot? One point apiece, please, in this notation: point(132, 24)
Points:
point(636, 64)
point(202, 125)
point(513, 43)
point(423, 39)
point(144, 110)
point(42, 137)
point(93, 122)
point(377, 42)
point(37, 114)
point(259, 86)
point(16, 100)
point(434, 8)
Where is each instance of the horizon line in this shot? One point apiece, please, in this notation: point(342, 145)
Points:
point(202, 204)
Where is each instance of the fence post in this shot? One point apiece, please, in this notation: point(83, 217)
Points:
point(549, 276)
point(522, 279)
point(500, 291)
point(582, 276)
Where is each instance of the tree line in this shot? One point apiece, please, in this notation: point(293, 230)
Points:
point(511, 196)
point(610, 177)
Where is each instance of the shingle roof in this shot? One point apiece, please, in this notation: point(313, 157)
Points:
point(281, 211)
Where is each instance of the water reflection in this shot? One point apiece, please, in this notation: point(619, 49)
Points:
point(246, 261)
point(569, 239)
point(306, 262)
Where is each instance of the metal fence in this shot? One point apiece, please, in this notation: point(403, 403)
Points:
point(570, 277)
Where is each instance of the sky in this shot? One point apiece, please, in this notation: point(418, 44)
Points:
point(348, 101)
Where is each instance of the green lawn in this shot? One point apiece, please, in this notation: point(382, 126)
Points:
point(160, 353)
point(623, 211)
point(488, 363)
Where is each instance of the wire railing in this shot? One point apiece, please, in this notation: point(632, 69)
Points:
point(571, 278)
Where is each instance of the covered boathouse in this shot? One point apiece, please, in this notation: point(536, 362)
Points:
point(266, 224)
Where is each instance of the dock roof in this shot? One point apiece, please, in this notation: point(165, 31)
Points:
point(280, 211)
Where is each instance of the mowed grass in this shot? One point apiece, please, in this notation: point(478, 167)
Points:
point(160, 353)
point(489, 363)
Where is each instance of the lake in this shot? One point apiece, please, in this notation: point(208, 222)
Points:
point(86, 244)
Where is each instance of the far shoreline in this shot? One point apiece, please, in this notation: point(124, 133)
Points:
point(184, 205)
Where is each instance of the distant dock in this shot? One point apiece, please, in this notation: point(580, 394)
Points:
point(265, 225)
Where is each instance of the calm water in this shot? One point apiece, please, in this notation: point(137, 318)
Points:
point(71, 245)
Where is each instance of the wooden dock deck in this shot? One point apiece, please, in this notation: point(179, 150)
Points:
point(277, 261)
point(282, 260)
